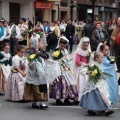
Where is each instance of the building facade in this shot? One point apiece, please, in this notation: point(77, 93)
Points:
point(50, 10)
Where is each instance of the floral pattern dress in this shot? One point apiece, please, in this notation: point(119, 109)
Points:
point(15, 84)
point(63, 88)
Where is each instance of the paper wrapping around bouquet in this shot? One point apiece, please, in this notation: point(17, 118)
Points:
point(52, 70)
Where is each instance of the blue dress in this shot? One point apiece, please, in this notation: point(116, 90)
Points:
point(112, 82)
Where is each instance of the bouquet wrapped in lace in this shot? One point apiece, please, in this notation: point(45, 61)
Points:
point(95, 74)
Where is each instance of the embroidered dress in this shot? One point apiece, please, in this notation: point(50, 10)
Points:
point(36, 83)
point(80, 71)
point(111, 81)
point(95, 95)
point(5, 69)
point(15, 84)
point(65, 86)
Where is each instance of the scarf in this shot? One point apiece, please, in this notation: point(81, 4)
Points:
point(101, 35)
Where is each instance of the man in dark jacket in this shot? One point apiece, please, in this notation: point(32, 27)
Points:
point(70, 31)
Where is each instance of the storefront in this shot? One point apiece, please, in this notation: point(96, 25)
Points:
point(45, 11)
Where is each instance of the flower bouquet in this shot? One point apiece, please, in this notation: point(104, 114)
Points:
point(95, 74)
point(112, 60)
point(40, 33)
point(78, 29)
point(57, 54)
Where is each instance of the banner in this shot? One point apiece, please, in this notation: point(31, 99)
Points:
point(43, 5)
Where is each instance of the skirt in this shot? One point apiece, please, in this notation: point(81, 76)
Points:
point(61, 90)
point(93, 101)
point(35, 92)
point(2, 82)
point(14, 87)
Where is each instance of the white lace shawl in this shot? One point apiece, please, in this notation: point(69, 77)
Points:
point(6, 56)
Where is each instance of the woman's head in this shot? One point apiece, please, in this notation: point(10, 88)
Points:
point(98, 25)
point(21, 50)
point(98, 57)
point(105, 50)
point(114, 21)
point(84, 43)
point(6, 47)
point(62, 44)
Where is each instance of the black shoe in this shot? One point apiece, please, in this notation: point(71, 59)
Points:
point(76, 103)
point(107, 113)
point(67, 102)
point(34, 105)
point(43, 107)
point(91, 112)
point(59, 102)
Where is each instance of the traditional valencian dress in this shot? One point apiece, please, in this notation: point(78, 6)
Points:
point(5, 69)
point(36, 83)
point(95, 95)
point(80, 70)
point(111, 81)
point(15, 84)
point(65, 86)
point(81, 59)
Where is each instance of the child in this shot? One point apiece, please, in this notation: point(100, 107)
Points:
point(15, 84)
point(63, 87)
point(80, 65)
point(34, 43)
point(111, 81)
point(36, 84)
point(5, 66)
point(95, 95)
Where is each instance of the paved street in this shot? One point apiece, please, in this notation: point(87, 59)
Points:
point(23, 111)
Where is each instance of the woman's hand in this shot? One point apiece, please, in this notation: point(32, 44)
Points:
point(23, 74)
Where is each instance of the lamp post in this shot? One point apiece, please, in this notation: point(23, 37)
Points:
point(93, 5)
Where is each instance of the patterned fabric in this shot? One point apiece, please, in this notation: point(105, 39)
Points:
point(2, 81)
point(61, 90)
point(15, 87)
point(35, 92)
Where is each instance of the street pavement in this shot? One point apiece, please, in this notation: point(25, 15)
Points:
point(23, 111)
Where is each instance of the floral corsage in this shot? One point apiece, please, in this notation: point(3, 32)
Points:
point(112, 60)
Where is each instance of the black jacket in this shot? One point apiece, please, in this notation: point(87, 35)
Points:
point(70, 30)
point(88, 29)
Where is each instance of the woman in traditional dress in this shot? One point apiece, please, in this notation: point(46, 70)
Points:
point(109, 67)
point(80, 65)
point(5, 66)
point(36, 84)
point(95, 95)
point(64, 87)
point(15, 84)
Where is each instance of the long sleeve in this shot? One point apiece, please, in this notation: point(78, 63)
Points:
point(3, 37)
point(78, 60)
point(9, 34)
point(17, 31)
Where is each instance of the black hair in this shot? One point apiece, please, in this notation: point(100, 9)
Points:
point(102, 47)
point(62, 41)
